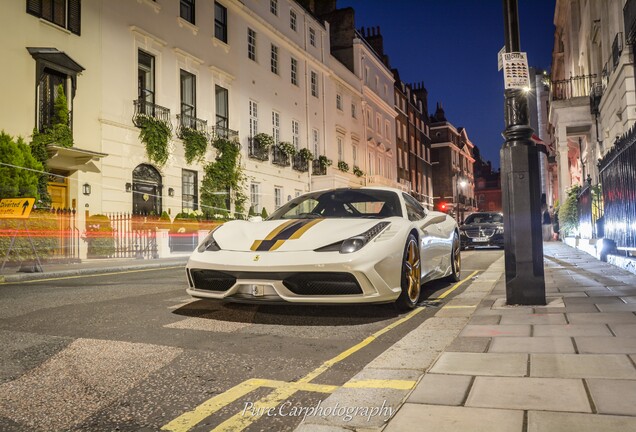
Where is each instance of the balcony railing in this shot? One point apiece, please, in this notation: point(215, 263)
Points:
point(256, 151)
point(186, 121)
point(629, 17)
point(145, 108)
point(279, 158)
point(573, 87)
point(223, 132)
point(614, 59)
point(300, 164)
point(317, 168)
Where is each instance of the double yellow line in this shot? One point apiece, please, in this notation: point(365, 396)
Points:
point(283, 390)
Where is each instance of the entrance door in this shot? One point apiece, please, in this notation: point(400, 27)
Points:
point(147, 191)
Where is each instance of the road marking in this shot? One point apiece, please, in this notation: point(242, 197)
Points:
point(458, 307)
point(91, 275)
point(283, 390)
point(457, 285)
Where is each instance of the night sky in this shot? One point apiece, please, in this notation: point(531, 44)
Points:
point(452, 46)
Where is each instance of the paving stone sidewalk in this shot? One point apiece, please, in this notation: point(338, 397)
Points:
point(566, 366)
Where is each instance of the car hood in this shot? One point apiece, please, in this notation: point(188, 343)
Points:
point(289, 235)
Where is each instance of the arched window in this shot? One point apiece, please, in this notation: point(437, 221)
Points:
point(147, 191)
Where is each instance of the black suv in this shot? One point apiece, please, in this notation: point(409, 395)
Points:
point(482, 229)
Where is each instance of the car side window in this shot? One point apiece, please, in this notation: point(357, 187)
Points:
point(414, 211)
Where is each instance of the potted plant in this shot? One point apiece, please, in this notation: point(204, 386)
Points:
point(263, 140)
point(287, 148)
point(357, 171)
point(305, 154)
point(343, 166)
point(324, 161)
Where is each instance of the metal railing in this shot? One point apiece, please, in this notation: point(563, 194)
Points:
point(618, 178)
point(573, 87)
point(187, 121)
point(149, 109)
point(614, 59)
point(317, 168)
point(279, 158)
point(223, 132)
point(134, 236)
point(300, 164)
point(629, 17)
point(256, 151)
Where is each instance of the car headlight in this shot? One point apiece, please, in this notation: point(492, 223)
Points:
point(209, 244)
point(355, 243)
point(499, 230)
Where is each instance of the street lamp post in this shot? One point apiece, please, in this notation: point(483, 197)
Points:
point(461, 183)
point(525, 281)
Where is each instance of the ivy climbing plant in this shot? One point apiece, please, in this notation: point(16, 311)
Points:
point(195, 143)
point(155, 134)
point(222, 177)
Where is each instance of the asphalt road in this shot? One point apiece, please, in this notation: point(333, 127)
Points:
point(132, 352)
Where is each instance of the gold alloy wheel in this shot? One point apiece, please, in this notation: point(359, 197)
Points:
point(413, 271)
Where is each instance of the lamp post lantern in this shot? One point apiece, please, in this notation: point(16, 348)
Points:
point(525, 281)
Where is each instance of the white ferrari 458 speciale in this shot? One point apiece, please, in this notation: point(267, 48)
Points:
point(345, 245)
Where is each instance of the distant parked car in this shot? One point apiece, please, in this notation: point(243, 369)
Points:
point(482, 229)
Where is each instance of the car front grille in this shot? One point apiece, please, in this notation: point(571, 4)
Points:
point(476, 232)
point(210, 280)
point(322, 284)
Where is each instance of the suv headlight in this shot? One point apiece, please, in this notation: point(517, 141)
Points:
point(209, 244)
point(355, 243)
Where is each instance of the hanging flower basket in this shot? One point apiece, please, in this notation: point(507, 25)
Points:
point(287, 148)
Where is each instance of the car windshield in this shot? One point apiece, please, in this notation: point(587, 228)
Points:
point(483, 218)
point(341, 203)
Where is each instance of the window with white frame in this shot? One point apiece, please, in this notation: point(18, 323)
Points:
point(339, 101)
point(273, 7)
point(220, 22)
point(380, 172)
point(253, 118)
point(354, 155)
point(354, 111)
point(189, 196)
point(371, 165)
point(369, 118)
point(387, 129)
point(312, 37)
point(293, 20)
point(251, 44)
point(314, 84)
point(377, 124)
point(186, 10)
point(295, 134)
point(278, 196)
point(276, 126)
point(274, 59)
point(399, 151)
point(340, 149)
point(255, 197)
point(315, 137)
point(294, 71)
point(64, 13)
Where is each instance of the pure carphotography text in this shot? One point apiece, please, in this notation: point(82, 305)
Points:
point(346, 413)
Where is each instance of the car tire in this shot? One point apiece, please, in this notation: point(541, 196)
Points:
point(456, 261)
point(411, 275)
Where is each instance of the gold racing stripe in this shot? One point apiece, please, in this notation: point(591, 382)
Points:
point(291, 230)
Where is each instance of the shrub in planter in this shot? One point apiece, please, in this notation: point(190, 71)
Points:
point(324, 161)
point(185, 223)
point(306, 154)
point(264, 141)
point(343, 166)
point(357, 171)
point(264, 214)
point(99, 235)
point(287, 148)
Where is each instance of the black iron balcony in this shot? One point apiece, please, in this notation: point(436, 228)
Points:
point(256, 151)
point(573, 87)
point(186, 121)
point(300, 164)
point(629, 18)
point(279, 158)
point(223, 132)
point(317, 168)
point(144, 108)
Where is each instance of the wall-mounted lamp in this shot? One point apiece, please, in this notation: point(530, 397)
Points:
point(170, 192)
point(86, 189)
point(128, 187)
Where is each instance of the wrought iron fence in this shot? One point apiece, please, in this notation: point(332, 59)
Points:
point(186, 121)
point(618, 177)
point(257, 151)
point(300, 163)
point(279, 158)
point(223, 132)
point(145, 108)
point(573, 87)
point(584, 208)
point(134, 236)
point(318, 168)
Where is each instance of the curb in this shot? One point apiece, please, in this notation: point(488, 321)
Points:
point(408, 359)
point(27, 277)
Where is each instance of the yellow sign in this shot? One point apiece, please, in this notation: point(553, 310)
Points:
point(16, 208)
